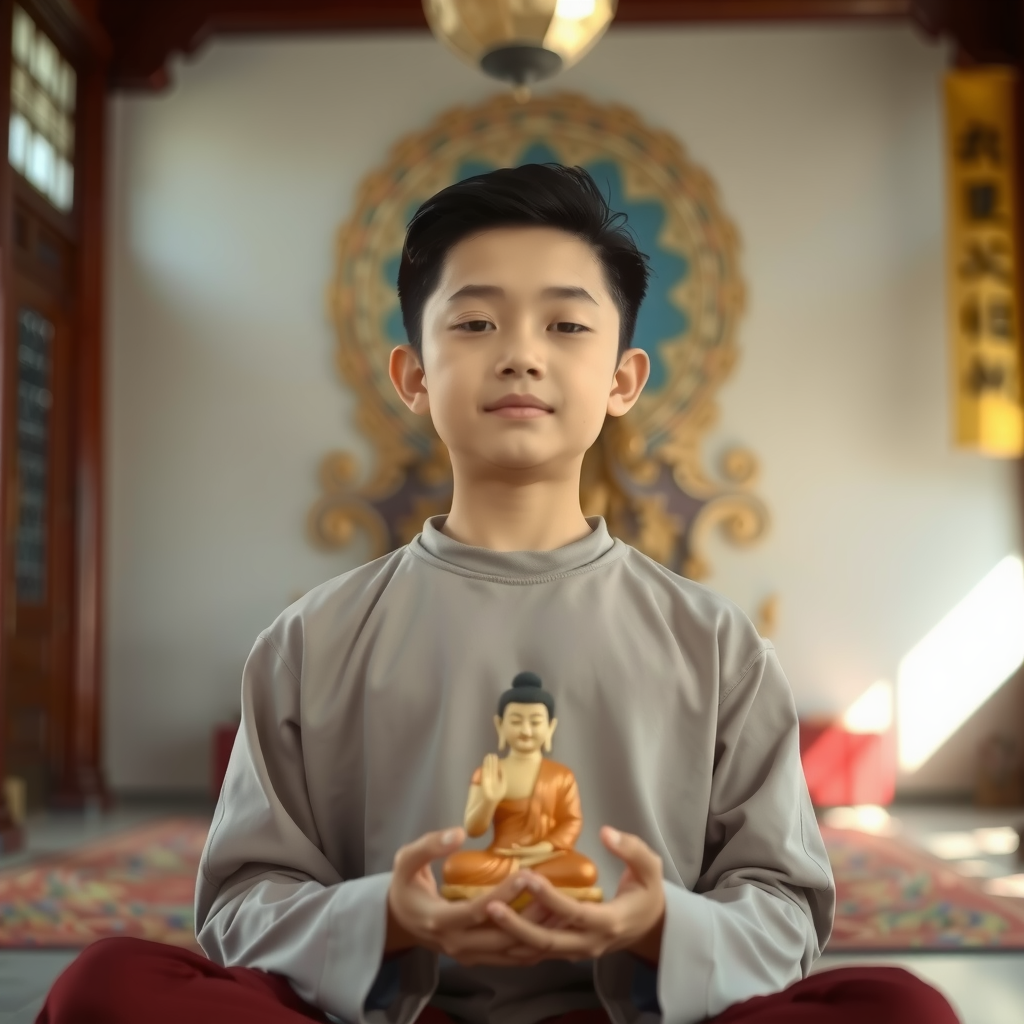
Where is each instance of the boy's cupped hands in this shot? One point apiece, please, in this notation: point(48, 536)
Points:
point(485, 930)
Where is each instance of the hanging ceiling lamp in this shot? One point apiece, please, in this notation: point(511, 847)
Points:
point(520, 41)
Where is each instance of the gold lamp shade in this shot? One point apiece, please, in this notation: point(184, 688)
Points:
point(520, 41)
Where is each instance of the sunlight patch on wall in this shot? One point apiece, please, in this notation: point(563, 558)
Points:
point(871, 712)
point(961, 663)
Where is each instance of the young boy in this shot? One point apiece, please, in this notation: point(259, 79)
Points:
point(368, 704)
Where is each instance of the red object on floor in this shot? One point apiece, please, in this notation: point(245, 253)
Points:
point(223, 741)
point(124, 981)
point(844, 768)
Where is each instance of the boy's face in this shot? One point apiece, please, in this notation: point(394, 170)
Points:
point(520, 352)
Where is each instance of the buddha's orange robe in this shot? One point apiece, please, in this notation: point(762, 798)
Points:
point(551, 813)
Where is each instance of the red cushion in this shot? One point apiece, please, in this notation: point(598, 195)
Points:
point(844, 768)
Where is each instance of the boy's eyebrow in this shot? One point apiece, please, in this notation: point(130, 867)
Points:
point(567, 292)
point(478, 291)
point(493, 291)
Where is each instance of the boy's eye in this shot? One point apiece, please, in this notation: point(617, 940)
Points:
point(476, 326)
point(568, 327)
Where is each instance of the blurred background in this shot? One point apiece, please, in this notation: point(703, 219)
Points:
point(170, 256)
point(225, 193)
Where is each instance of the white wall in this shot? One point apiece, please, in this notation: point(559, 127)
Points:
point(226, 193)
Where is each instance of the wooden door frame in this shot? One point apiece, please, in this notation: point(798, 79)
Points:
point(27, 290)
point(78, 771)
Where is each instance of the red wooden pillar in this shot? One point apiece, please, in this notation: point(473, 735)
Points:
point(81, 779)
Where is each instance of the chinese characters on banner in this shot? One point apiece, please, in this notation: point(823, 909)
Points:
point(984, 299)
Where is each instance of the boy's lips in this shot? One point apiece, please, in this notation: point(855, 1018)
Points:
point(519, 407)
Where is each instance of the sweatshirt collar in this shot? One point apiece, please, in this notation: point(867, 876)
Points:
point(589, 552)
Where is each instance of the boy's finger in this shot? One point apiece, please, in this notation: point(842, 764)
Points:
point(508, 958)
point(644, 862)
point(520, 955)
point(576, 912)
point(486, 938)
point(419, 853)
point(471, 915)
point(462, 915)
point(550, 941)
point(452, 917)
point(504, 892)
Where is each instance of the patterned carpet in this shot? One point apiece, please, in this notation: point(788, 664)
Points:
point(891, 896)
point(139, 883)
point(895, 897)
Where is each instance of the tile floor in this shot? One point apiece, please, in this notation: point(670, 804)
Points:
point(985, 988)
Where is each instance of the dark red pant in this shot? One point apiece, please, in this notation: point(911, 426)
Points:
point(131, 981)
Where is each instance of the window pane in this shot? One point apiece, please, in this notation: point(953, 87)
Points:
point(70, 88)
point(21, 89)
point(22, 33)
point(35, 400)
point(18, 141)
point(63, 192)
point(44, 61)
point(66, 87)
point(61, 85)
point(39, 168)
point(61, 130)
point(41, 138)
point(42, 113)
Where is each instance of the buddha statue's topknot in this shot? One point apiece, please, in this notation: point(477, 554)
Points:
point(527, 688)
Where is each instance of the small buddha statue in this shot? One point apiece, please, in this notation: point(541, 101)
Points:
point(532, 802)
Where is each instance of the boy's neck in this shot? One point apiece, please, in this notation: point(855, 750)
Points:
point(516, 515)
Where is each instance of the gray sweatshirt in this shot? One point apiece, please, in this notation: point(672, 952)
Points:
point(368, 704)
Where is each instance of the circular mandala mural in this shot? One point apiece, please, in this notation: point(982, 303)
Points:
point(644, 474)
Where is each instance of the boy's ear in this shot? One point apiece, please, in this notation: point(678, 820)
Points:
point(630, 378)
point(406, 373)
point(501, 737)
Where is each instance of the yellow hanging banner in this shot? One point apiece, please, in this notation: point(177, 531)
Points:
point(983, 285)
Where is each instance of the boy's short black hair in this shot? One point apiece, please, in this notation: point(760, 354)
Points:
point(538, 195)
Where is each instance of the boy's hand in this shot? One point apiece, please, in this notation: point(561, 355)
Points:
point(419, 916)
point(557, 927)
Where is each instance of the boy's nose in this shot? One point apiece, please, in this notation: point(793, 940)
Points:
point(518, 367)
point(522, 357)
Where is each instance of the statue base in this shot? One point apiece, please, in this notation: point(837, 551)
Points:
point(468, 892)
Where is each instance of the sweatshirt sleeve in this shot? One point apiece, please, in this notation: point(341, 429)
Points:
point(267, 896)
point(761, 910)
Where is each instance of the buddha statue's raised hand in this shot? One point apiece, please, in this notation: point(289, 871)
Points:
point(493, 783)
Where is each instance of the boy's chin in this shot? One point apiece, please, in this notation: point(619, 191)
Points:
point(520, 461)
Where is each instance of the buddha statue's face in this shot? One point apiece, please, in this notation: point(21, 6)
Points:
point(525, 728)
